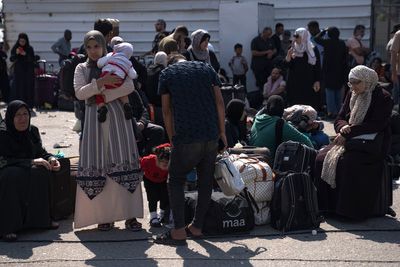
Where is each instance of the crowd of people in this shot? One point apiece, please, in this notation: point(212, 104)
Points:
point(158, 123)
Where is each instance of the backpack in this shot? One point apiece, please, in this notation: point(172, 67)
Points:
point(294, 203)
point(67, 73)
point(296, 157)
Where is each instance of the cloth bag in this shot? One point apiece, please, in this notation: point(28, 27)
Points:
point(257, 177)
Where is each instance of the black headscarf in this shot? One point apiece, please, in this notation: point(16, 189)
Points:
point(22, 139)
point(12, 109)
point(234, 110)
point(333, 33)
point(275, 106)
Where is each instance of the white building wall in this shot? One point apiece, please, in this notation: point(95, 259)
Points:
point(45, 20)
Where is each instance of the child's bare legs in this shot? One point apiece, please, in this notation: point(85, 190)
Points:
point(102, 109)
point(127, 107)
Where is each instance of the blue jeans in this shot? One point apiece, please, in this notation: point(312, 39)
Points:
point(333, 100)
point(185, 157)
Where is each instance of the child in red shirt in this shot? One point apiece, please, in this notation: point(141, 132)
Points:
point(155, 168)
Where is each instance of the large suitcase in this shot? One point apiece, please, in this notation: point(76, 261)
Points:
point(261, 153)
point(296, 157)
point(45, 87)
point(385, 195)
point(230, 92)
point(61, 204)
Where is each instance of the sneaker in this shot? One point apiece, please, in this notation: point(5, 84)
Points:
point(155, 222)
point(128, 111)
point(102, 114)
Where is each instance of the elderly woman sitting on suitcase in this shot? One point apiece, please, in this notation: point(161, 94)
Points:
point(351, 167)
point(25, 169)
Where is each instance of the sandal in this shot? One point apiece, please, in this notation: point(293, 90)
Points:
point(54, 225)
point(155, 222)
point(11, 237)
point(191, 235)
point(105, 226)
point(133, 225)
point(166, 239)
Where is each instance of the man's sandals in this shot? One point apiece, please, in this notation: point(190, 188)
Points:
point(166, 239)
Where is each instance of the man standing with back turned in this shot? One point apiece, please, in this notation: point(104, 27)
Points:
point(193, 111)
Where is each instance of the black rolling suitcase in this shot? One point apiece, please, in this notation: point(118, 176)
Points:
point(230, 92)
point(385, 197)
point(61, 204)
point(45, 87)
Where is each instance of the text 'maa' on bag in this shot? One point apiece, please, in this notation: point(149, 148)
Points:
point(224, 214)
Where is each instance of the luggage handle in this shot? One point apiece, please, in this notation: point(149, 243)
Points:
point(42, 61)
point(264, 172)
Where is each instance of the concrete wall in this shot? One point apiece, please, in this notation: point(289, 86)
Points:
point(45, 20)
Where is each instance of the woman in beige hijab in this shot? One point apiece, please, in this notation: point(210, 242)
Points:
point(350, 179)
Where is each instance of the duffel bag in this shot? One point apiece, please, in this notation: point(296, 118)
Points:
point(257, 177)
point(224, 214)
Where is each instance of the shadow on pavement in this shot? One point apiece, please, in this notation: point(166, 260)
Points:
point(240, 253)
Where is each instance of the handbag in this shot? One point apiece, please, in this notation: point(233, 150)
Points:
point(365, 145)
point(227, 176)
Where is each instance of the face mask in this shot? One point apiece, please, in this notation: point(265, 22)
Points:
point(359, 37)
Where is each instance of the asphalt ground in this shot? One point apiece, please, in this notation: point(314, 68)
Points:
point(373, 242)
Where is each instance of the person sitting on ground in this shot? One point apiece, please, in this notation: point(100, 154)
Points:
point(117, 63)
point(25, 172)
point(155, 168)
point(235, 122)
point(264, 127)
point(275, 85)
point(304, 118)
point(349, 179)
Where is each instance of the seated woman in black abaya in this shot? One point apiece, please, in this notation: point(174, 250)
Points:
point(350, 176)
point(25, 170)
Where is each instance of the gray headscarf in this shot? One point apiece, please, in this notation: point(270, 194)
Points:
point(99, 38)
point(359, 105)
point(198, 37)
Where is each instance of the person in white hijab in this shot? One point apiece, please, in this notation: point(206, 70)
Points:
point(304, 70)
point(302, 43)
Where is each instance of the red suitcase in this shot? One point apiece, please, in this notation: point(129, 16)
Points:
point(45, 87)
